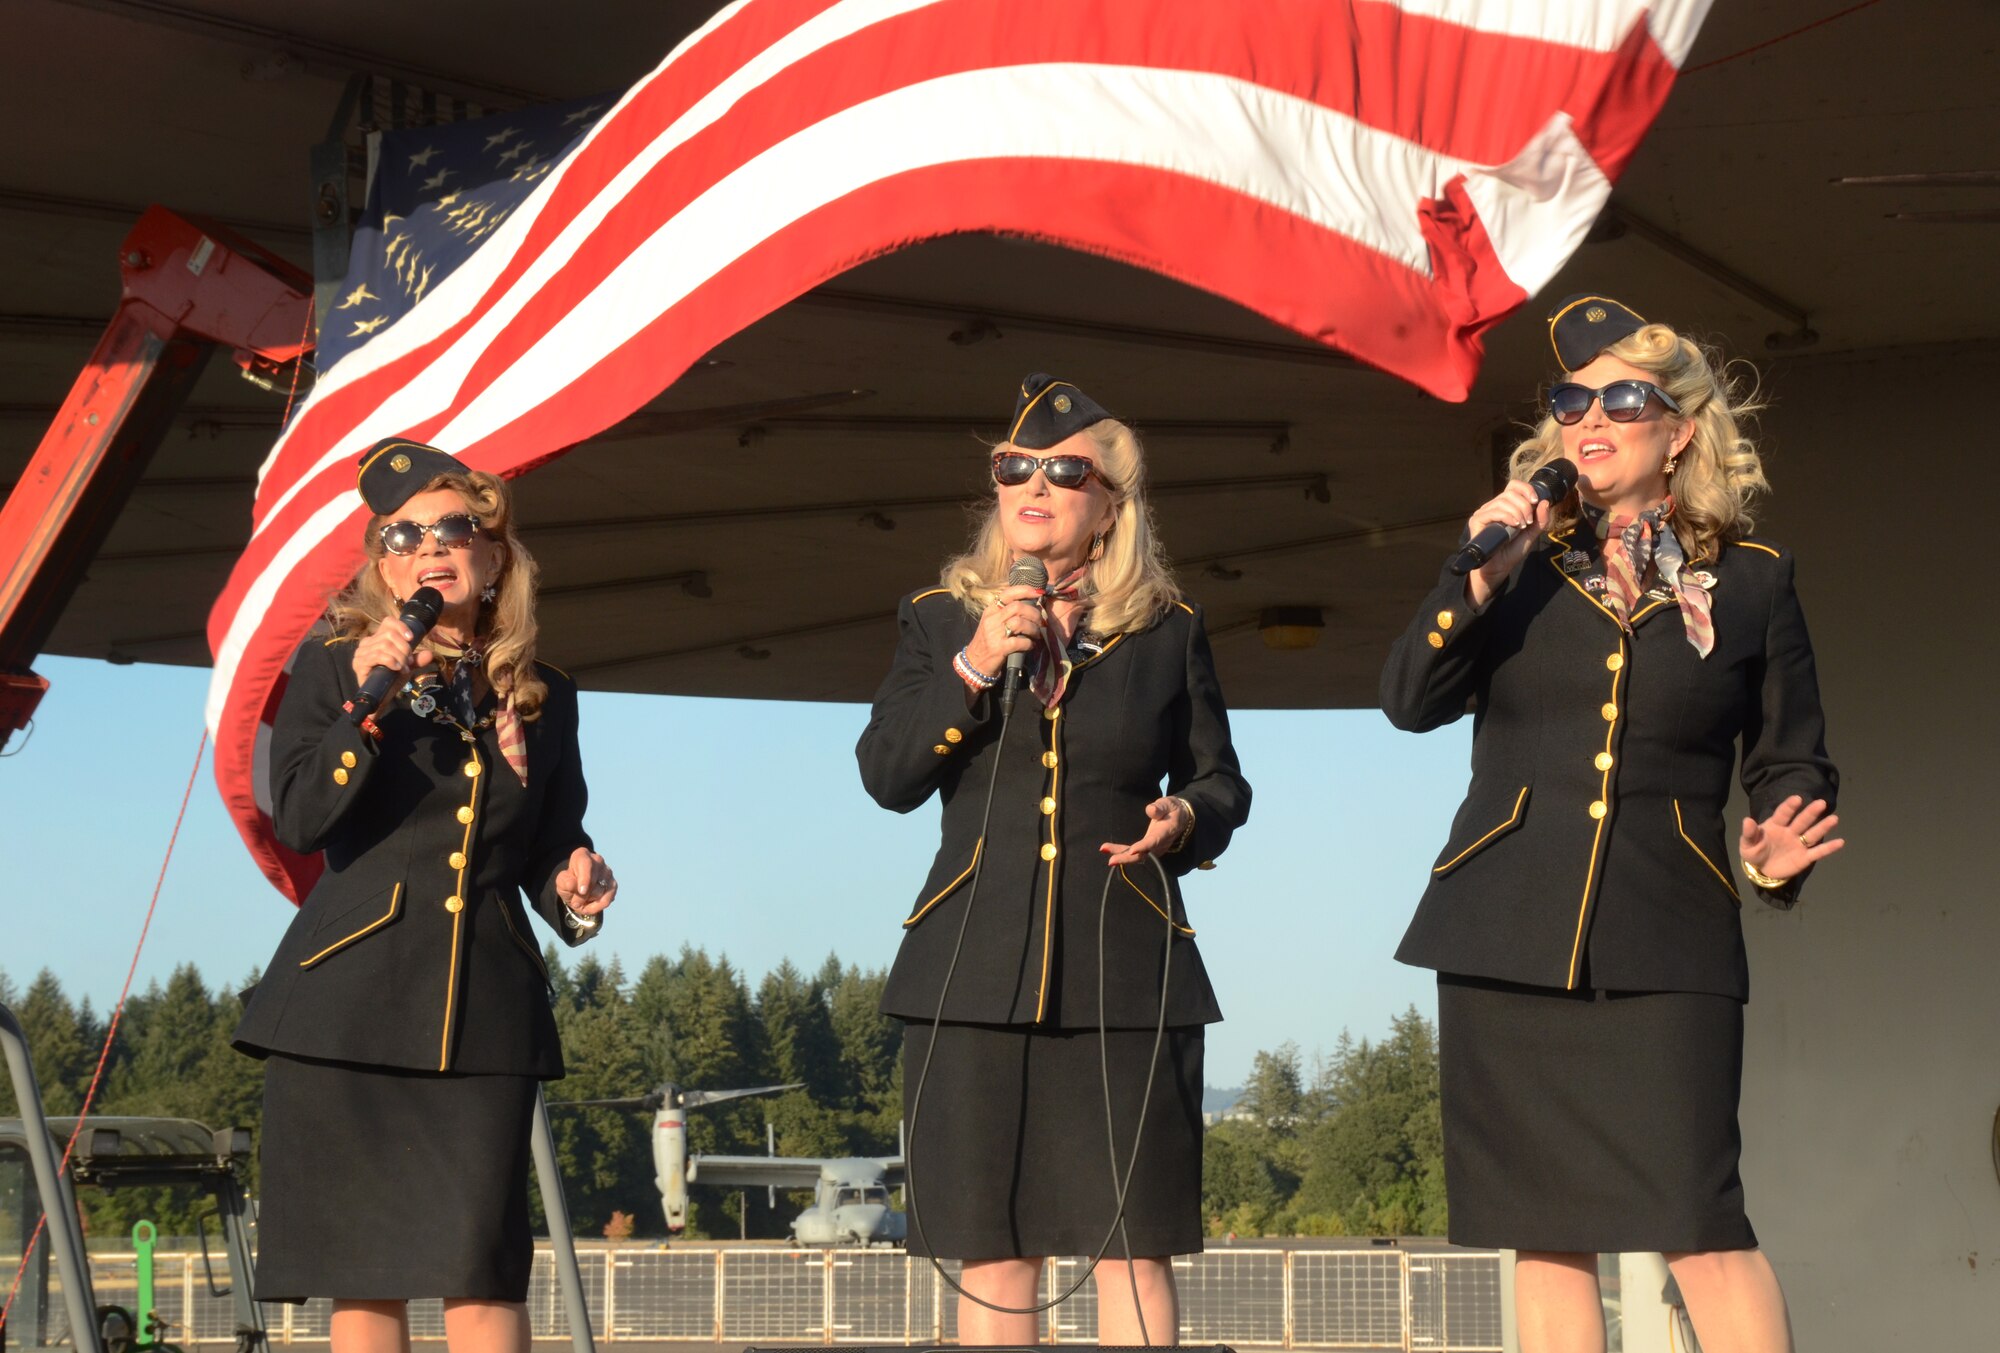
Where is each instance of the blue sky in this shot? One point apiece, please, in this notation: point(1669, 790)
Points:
point(739, 826)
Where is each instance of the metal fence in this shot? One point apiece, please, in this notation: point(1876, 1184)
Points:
point(1371, 1301)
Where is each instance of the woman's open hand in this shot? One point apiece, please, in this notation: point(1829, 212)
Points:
point(1165, 818)
point(1795, 837)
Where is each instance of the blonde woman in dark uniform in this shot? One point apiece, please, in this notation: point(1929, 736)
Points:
point(1582, 916)
point(405, 1019)
point(1007, 1152)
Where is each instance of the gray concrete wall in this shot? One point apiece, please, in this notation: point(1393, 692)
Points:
point(1872, 1070)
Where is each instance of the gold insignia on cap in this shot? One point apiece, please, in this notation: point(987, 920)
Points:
point(1596, 314)
point(399, 462)
point(1062, 403)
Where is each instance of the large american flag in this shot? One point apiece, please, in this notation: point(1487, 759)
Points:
point(1390, 177)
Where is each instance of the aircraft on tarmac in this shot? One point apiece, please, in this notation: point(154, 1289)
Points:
point(669, 1105)
point(851, 1194)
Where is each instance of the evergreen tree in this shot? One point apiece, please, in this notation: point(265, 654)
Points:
point(63, 1043)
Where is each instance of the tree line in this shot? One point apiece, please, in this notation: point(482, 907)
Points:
point(1347, 1143)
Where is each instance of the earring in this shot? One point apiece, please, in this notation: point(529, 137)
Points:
point(492, 593)
point(1670, 469)
point(1097, 545)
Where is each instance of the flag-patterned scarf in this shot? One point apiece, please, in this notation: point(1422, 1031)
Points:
point(1633, 545)
point(507, 726)
point(1051, 679)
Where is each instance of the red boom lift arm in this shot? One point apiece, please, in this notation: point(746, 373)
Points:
point(190, 286)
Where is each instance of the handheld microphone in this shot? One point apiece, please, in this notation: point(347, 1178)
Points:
point(1028, 571)
point(420, 612)
point(1552, 483)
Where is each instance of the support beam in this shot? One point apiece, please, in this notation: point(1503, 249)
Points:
point(1802, 335)
point(971, 324)
point(333, 56)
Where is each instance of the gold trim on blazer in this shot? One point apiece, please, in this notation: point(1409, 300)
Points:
point(1513, 820)
point(1603, 796)
point(1099, 655)
point(458, 917)
point(1681, 827)
point(1178, 927)
point(931, 593)
point(507, 915)
point(1053, 861)
point(395, 897)
point(948, 888)
point(1753, 545)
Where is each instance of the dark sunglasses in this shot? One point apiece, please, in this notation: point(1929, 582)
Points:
point(1623, 401)
point(454, 531)
point(1065, 472)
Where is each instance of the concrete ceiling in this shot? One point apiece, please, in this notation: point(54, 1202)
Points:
point(762, 556)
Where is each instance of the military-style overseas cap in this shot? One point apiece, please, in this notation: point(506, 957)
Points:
point(1051, 411)
point(1583, 326)
point(396, 467)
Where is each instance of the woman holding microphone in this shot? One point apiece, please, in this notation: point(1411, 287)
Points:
point(1001, 980)
point(1582, 916)
point(404, 1020)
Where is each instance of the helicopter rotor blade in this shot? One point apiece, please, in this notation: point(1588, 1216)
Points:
point(638, 1104)
point(694, 1099)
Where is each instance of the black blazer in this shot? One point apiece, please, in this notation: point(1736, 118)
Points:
point(413, 949)
point(1591, 848)
point(1145, 710)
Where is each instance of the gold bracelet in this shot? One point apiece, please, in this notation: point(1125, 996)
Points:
point(1762, 880)
point(1187, 832)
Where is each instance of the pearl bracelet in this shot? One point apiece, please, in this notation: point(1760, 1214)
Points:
point(972, 676)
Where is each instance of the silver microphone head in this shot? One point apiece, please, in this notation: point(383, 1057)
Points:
point(1028, 571)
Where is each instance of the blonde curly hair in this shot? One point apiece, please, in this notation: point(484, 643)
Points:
point(507, 625)
point(1131, 583)
point(1719, 476)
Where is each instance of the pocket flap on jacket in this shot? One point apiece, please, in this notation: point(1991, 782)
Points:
point(948, 888)
point(1455, 855)
point(366, 920)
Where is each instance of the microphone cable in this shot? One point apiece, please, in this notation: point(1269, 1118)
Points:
point(1120, 1182)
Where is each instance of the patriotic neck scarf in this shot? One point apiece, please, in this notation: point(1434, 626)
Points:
point(1052, 666)
point(1632, 547)
point(506, 721)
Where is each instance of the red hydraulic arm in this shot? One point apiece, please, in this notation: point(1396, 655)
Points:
point(190, 286)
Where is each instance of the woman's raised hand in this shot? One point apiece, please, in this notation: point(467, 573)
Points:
point(388, 645)
point(1012, 624)
point(1164, 820)
point(1795, 837)
point(1515, 505)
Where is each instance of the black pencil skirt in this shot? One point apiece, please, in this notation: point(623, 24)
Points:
point(381, 1184)
point(1591, 1121)
point(1009, 1157)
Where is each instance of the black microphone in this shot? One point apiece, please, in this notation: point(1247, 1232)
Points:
point(1028, 571)
point(1552, 483)
point(420, 612)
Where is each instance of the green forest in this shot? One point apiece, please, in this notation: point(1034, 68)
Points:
point(1346, 1142)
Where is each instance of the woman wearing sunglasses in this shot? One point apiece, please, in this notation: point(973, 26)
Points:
point(1583, 915)
point(405, 1017)
point(1001, 953)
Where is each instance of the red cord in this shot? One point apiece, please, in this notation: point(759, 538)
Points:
point(298, 362)
point(110, 1034)
point(1782, 37)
